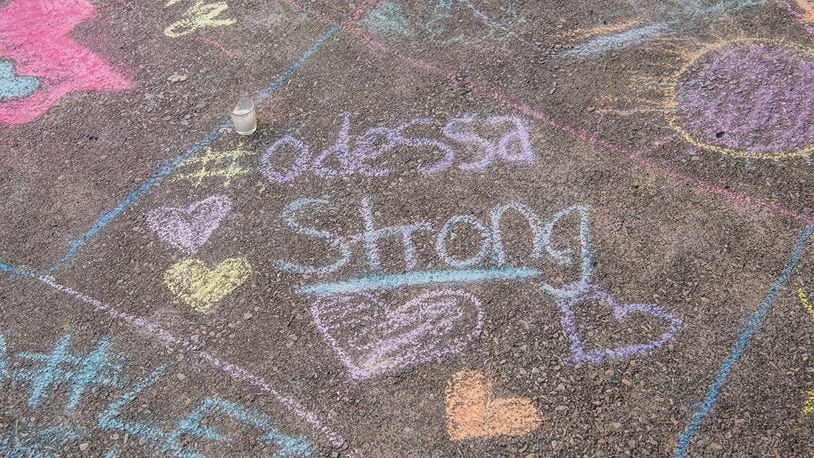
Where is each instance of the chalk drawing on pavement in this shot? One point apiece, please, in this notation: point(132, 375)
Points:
point(187, 229)
point(808, 404)
point(223, 165)
point(13, 85)
point(176, 442)
point(160, 334)
point(803, 11)
point(373, 337)
point(48, 64)
point(336, 301)
point(473, 142)
point(61, 371)
point(620, 313)
point(201, 287)
point(473, 410)
point(618, 40)
point(199, 15)
point(387, 18)
point(46, 372)
point(801, 294)
point(764, 111)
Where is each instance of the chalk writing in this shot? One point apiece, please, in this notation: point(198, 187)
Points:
point(96, 370)
point(808, 404)
point(372, 338)
point(187, 229)
point(387, 18)
point(343, 159)
point(201, 287)
point(474, 412)
point(81, 372)
point(620, 312)
point(804, 300)
point(234, 371)
point(198, 16)
point(763, 112)
point(12, 85)
point(215, 159)
point(35, 37)
point(492, 248)
point(36, 441)
point(191, 425)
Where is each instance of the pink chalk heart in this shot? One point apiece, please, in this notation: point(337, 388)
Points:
point(372, 338)
point(189, 228)
point(620, 312)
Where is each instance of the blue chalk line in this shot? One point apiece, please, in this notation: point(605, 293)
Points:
point(750, 329)
point(170, 167)
point(418, 278)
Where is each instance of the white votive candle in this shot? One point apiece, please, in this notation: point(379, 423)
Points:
point(244, 117)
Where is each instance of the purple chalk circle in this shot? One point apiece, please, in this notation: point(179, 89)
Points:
point(620, 312)
point(187, 229)
point(372, 338)
point(747, 99)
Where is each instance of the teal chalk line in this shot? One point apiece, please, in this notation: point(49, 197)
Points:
point(379, 282)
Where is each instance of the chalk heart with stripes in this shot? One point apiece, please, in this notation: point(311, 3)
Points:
point(201, 287)
point(372, 337)
point(473, 410)
point(187, 229)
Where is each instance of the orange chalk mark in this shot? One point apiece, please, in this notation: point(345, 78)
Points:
point(802, 295)
point(578, 34)
point(472, 412)
point(806, 10)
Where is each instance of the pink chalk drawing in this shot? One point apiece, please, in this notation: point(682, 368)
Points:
point(620, 312)
point(372, 338)
point(34, 35)
point(187, 229)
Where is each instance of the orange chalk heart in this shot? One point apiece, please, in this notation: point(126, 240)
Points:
point(472, 412)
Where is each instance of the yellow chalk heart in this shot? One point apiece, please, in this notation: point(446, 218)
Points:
point(200, 287)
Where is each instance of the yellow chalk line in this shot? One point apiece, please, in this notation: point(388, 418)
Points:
point(578, 34)
point(802, 295)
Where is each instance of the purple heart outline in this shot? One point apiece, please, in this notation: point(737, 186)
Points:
point(372, 338)
point(187, 229)
point(598, 355)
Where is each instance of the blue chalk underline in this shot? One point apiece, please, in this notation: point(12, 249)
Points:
point(752, 326)
point(170, 167)
point(379, 282)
